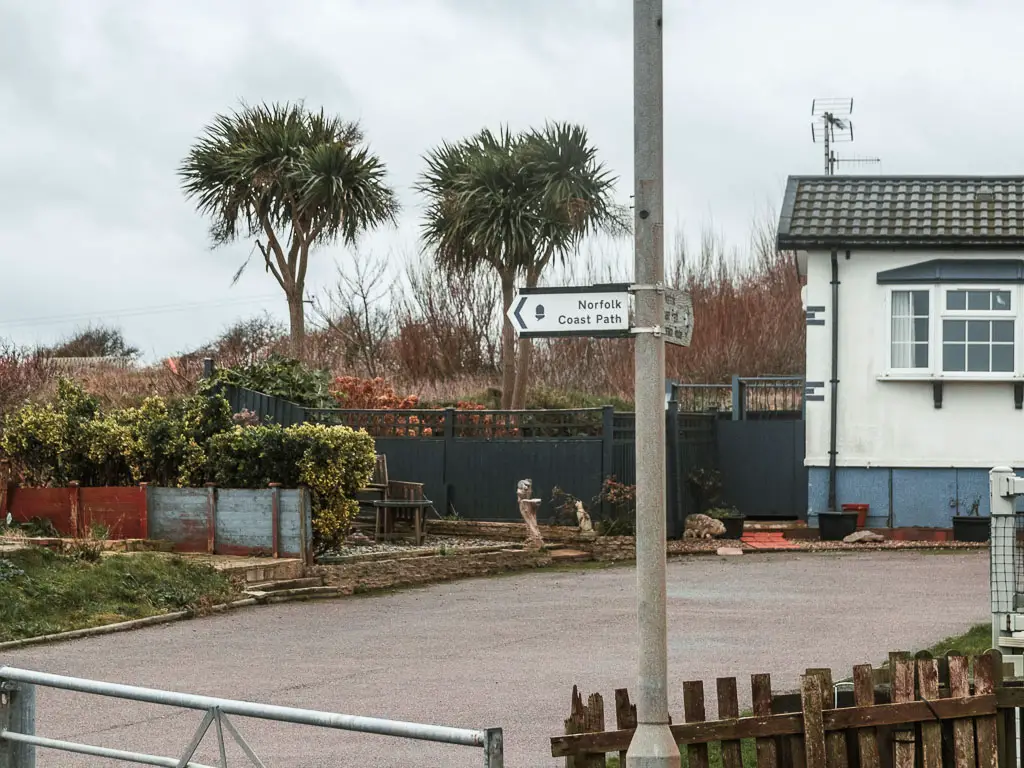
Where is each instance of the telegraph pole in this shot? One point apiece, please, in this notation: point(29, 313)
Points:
point(652, 745)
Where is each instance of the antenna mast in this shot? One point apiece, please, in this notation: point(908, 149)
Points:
point(832, 125)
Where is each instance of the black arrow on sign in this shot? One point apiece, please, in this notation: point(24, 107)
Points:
point(522, 303)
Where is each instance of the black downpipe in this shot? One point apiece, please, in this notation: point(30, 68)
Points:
point(834, 382)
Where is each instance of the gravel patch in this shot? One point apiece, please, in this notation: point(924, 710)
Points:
point(431, 543)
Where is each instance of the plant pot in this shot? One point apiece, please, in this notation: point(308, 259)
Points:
point(971, 528)
point(836, 526)
point(733, 526)
point(862, 513)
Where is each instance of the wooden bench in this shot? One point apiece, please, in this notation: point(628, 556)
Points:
point(404, 503)
point(375, 490)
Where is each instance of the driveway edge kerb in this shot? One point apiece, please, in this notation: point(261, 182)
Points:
point(123, 626)
point(329, 592)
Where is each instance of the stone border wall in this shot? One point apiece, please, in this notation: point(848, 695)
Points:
point(371, 575)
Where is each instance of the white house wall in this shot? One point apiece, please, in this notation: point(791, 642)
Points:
point(893, 445)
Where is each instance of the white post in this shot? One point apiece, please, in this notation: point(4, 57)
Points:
point(1002, 546)
point(652, 745)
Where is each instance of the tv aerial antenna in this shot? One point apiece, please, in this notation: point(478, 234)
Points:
point(832, 125)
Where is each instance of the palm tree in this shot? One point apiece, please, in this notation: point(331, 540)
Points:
point(291, 179)
point(575, 194)
point(514, 202)
point(479, 214)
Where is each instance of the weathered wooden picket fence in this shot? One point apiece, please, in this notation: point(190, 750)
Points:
point(920, 712)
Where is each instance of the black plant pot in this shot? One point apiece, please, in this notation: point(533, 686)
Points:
point(971, 528)
point(836, 526)
point(733, 526)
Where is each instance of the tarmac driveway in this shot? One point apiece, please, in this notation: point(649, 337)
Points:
point(501, 652)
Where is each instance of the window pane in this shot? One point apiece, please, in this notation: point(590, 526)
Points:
point(979, 299)
point(978, 330)
point(1002, 330)
point(901, 355)
point(954, 357)
point(921, 303)
point(978, 357)
point(921, 355)
point(921, 329)
point(1001, 300)
point(1002, 358)
point(956, 300)
point(953, 330)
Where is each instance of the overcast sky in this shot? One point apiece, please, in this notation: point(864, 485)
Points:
point(101, 99)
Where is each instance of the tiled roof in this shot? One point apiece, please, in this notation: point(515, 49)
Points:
point(909, 211)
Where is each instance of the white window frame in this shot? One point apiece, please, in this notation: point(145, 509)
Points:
point(910, 372)
point(978, 314)
point(937, 312)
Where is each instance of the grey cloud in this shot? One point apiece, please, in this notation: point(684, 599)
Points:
point(102, 99)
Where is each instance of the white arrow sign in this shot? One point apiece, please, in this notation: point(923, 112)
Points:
point(573, 312)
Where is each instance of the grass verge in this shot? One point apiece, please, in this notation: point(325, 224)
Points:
point(42, 592)
point(974, 641)
point(747, 747)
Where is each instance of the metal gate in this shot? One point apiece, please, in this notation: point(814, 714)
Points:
point(19, 740)
point(760, 434)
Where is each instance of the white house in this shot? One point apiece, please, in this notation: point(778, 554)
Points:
point(915, 339)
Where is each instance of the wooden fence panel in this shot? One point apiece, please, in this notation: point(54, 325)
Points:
point(625, 718)
point(904, 706)
point(931, 733)
point(693, 712)
point(903, 693)
point(729, 707)
point(985, 727)
point(761, 694)
point(963, 728)
point(864, 696)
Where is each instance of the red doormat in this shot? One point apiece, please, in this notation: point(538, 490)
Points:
point(768, 540)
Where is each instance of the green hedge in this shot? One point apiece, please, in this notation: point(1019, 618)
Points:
point(333, 461)
point(186, 443)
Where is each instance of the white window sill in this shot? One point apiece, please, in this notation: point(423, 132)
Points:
point(1008, 378)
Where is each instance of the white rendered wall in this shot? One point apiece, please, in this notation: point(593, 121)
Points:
point(894, 423)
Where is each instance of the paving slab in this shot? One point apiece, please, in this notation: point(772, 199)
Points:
point(502, 651)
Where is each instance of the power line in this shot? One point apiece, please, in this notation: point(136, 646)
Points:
point(135, 312)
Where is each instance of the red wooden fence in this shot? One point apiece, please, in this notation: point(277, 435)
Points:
point(73, 511)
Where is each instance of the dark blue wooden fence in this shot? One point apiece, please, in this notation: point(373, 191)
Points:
point(469, 461)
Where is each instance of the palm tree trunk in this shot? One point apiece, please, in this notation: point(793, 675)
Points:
point(297, 323)
point(508, 341)
point(525, 358)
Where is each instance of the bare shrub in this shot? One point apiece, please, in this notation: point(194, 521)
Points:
point(359, 312)
point(449, 324)
point(24, 375)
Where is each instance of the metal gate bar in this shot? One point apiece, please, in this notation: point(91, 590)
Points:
point(490, 740)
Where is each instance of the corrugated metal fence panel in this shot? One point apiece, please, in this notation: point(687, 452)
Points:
point(243, 521)
point(294, 507)
point(763, 472)
point(179, 515)
point(483, 474)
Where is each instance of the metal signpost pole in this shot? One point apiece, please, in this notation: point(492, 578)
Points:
point(652, 745)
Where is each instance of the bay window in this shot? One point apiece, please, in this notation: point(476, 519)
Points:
point(953, 331)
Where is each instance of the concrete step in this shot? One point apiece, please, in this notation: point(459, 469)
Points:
point(278, 586)
point(291, 594)
point(773, 525)
point(569, 555)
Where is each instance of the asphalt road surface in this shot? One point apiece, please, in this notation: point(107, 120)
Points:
point(500, 652)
